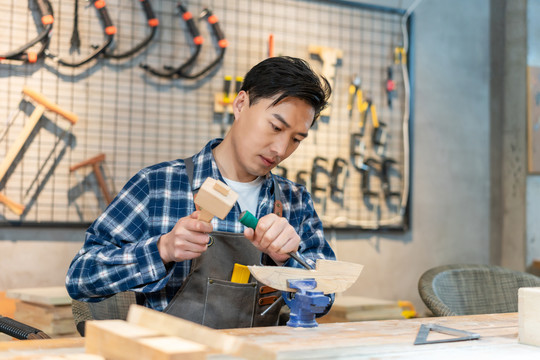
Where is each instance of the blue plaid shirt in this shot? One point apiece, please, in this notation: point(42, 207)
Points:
point(120, 252)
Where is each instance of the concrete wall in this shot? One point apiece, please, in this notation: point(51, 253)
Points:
point(533, 181)
point(451, 198)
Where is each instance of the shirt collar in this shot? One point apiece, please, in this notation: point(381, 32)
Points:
point(204, 166)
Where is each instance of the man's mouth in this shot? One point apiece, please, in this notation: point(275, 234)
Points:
point(268, 161)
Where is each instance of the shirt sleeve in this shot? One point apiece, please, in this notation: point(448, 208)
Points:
point(119, 254)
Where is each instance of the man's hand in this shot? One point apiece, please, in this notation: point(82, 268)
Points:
point(274, 236)
point(187, 240)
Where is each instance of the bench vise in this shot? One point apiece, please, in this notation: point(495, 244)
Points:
point(305, 304)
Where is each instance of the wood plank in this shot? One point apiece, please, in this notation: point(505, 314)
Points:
point(382, 339)
point(529, 316)
point(54, 295)
point(74, 342)
point(214, 339)
point(120, 340)
point(331, 276)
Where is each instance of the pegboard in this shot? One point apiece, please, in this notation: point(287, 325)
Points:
point(129, 118)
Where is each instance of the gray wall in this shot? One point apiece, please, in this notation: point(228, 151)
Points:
point(453, 202)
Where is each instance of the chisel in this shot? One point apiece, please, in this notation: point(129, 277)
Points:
point(249, 220)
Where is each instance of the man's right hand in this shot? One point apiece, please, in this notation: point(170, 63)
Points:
point(187, 240)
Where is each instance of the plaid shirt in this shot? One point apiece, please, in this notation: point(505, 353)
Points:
point(120, 252)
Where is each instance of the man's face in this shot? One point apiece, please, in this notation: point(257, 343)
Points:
point(264, 135)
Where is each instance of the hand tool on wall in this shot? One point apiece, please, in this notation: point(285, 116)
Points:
point(96, 163)
point(318, 170)
point(24, 52)
point(223, 101)
point(271, 45)
point(16, 150)
point(330, 58)
point(108, 29)
point(281, 171)
point(390, 86)
point(338, 178)
point(152, 21)
point(215, 199)
point(385, 179)
point(182, 70)
point(355, 92)
point(249, 220)
point(400, 56)
point(366, 190)
point(301, 178)
point(379, 139)
point(357, 151)
point(225, 104)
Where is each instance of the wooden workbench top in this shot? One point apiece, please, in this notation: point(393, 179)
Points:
point(388, 339)
point(394, 339)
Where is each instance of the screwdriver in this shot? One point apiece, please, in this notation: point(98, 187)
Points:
point(249, 220)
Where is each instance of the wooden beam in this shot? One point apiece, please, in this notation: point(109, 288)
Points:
point(331, 276)
point(214, 339)
point(120, 340)
point(529, 316)
point(53, 295)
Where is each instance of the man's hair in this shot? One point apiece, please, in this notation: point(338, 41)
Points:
point(287, 77)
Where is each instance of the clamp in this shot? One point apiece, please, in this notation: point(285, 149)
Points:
point(24, 52)
point(109, 30)
point(305, 304)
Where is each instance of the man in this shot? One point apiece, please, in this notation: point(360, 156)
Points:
point(150, 241)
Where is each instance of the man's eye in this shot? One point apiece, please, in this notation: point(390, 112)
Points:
point(297, 140)
point(275, 128)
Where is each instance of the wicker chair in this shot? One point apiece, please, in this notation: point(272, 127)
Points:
point(115, 307)
point(473, 289)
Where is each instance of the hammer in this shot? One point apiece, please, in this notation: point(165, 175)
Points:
point(215, 199)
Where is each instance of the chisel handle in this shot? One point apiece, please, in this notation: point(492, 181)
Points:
point(249, 220)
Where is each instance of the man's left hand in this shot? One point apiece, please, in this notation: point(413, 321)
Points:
point(274, 236)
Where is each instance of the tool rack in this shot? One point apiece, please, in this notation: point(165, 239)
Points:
point(138, 119)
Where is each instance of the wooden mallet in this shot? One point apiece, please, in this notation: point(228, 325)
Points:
point(215, 199)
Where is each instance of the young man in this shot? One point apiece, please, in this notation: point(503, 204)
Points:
point(150, 241)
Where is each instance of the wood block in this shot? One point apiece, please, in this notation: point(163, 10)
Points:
point(59, 357)
point(213, 339)
point(55, 295)
point(529, 316)
point(7, 305)
point(48, 312)
point(215, 199)
point(120, 340)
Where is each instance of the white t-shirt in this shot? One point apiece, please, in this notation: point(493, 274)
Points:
point(248, 193)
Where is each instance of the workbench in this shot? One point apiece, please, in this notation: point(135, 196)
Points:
point(387, 339)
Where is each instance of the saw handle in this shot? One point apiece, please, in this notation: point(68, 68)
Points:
point(68, 115)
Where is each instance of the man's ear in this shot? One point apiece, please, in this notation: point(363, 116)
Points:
point(240, 102)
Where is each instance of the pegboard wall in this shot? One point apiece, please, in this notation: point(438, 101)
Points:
point(355, 161)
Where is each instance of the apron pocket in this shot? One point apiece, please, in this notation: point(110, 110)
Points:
point(228, 304)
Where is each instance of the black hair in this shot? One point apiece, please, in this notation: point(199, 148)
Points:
point(287, 77)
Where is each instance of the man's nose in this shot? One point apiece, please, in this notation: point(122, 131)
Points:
point(280, 145)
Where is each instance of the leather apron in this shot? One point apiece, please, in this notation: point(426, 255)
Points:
point(208, 297)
